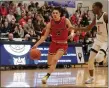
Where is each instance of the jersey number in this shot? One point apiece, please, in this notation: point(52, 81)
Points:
point(58, 33)
point(98, 28)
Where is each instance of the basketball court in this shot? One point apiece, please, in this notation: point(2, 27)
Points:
point(17, 54)
point(69, 77)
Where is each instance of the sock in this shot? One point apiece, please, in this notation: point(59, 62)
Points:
point(48, 74)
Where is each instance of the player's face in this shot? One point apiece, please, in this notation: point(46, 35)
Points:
point(56, 14)
point(95, 9)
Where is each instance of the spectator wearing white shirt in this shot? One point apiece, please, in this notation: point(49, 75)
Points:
point(10, 17)
point(18, 31)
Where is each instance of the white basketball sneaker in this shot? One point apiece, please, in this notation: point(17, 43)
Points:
point(90, 80)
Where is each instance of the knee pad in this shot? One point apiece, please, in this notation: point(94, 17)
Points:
point(100, 56)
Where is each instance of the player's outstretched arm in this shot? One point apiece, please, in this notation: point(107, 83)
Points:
point(87, 28)
point(73, 29)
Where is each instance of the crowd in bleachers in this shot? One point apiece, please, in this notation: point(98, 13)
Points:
point(22, 20)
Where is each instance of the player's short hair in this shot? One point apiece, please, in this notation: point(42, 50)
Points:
point(59, 9)
point(98, 4)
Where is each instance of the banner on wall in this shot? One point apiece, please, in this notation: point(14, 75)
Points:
point(15, 54)
point(79, 53)
point(63, 3)
point(12, 54)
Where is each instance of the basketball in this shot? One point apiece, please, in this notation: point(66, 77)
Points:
point(35, 54)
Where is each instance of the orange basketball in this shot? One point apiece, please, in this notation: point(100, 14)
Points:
point(35, 54)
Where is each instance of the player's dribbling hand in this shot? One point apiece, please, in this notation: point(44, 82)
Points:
point(71, 36)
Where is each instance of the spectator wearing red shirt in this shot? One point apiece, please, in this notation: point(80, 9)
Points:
point(83, 34)
point(76, 38)
point(23, 20)
point(73, 19)
point(3, 10)
point(12, 7)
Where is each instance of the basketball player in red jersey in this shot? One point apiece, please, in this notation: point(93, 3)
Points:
point(58, 27)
